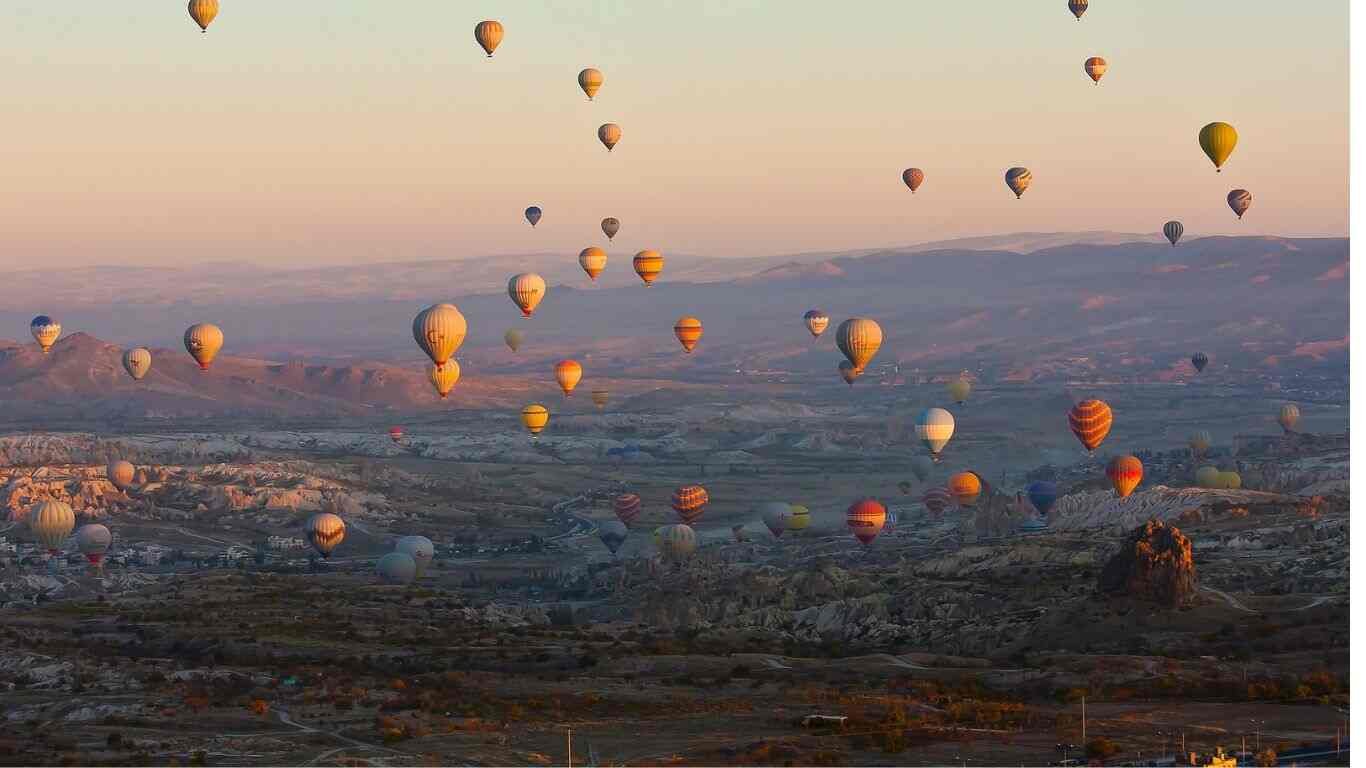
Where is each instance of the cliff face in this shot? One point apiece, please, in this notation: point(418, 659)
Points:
point(1155, 565)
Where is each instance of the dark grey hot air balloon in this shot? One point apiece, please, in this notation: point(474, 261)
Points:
point(1199, 360)
point(1077, 7)
point(1173, 230)
point(1240, 200)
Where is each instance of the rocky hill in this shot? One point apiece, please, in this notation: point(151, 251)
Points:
point(1154, 564)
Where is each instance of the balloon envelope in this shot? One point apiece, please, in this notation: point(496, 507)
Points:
point(526, 291)
point(202, 341)
point(866, 518)
point(1018, 179)
point(1043, 495)
point(1218, 140)
point(1173, 231)
point(610, 227)
point(324, 531)
point(913, 178)
point(420, 549)
point(690, 501)
point(859, 338)
point(934, 427)
point(1090, 421)
point(1125, 473)
point(488, 34)
point(137, 362)
point(590, 80)
point(45, 331)
point(397, 568)
point(612, 533)
point(439, 330)
point(533, 215)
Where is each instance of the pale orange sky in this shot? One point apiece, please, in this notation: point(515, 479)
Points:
point(351, 131)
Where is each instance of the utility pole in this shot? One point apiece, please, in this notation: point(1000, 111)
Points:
point(1083, 722)
point(569, 744)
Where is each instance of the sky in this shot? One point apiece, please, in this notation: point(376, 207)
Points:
point(356, 131)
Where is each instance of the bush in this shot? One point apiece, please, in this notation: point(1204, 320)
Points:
point(1101, 748)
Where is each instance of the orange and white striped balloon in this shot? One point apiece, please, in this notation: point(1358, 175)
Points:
point(526, 291)
point(567, 375)
point(688, 330)
point(648, 264)
point(1090, 421)
point(594, 261)
point(690, 501)
point(859, 338)
point(866, 518)
point(1125, 473)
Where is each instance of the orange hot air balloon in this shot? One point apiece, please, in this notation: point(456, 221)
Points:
point(849, 373)
point(688, 329)
point(913, 178)
point(1125, 473)
point(600, 397)
point(488, 34)
point(1090, 421)
point(689, 502)
point(965, 487)
point(627, 507)
point(866, 519)
point(202, 341)
point(594, 261)
point(609, 134)
point(648, 264)
point(396, 434)
point(567, 375)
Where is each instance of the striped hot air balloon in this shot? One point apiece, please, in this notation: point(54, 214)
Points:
point(627, 507)
point(1018, 179)
point(45, 331)
point(1077, 7)
point(439, 330)
point(203, 12)
point(648, 264)
point(1090, 421)
point(567, 375)
point(600, 398)
point(593, 260)
point(913, 178)
point(324, 531)
point(590, 80)
point(51, 522)
point(1200, 443)
point(526, 291)
point(534, 418)
point(609, 134)
point(1240, 200)
point(859, 338)
point(676, 542)
point(690, 501)
point(1199, 360)
point(965, 488)
point(1289, 417)
point(488, 34)
point(1125, 473)
point(1095, 68)
point(688, 330)
point(936, 500)
point(866, 519)
point(137, 361)
point(800, 518)
point(934, 428)
point(816, 322)
point(1173, 230)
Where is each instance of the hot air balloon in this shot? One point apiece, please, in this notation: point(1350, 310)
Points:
point(202, 341)
point(905, 486)
point(1077, 7)
point(627, 507)
point(1095, 68)
point(1173, 231)
point(648, 264)
point(816, 322)
point(922, 466)
point(690, 501)
point(324, 531)
point(1018, 180)
point(137, 362)
point(567, 375)
point(590, 80)
point(866, 519)
point(1207, 477)
point(738, 531)
point(534, 418)
point(439, 330)
point(488, 34)
point(1125, 473)
point(965, 487)
point(859, 339)
point(203, 12)
point(513, 338)
point(934, 428)
point(51, 522)
point(1218, 141)
point(1043, 495)
point(936, 500)
point(526, 291)
point(420, 549)
point(609, 134)
point(1199, 360)
point(397, 568)
point(676, 542)
point(45, 331)
point(600, 397)
point(913, 178)
point(610, 227)
point(594, 261)
point(1230, 480)
point(1240, 200)
point(613, 534)
point(799, 518)
point(775, 515)
point(444, 378)
point(121, 474)
point(688, 330)
point(959, 389)
point(1200, 443)
point(1290, 416)
point(1090, 421)
point(93, 540)
point(849, 373)
point(396, 434)
point(533, 215)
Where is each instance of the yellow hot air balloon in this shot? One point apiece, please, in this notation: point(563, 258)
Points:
point(600, 397)
point(534, 418)
point(526, 290)
point(513, 338)
point(1018, 179)
point(444, 378)
point(965, 487)
point(676, 542)
point(488, 34)
point(203, 12)
point(688, 330)
point(800, 519)
point(567, 375)
point(1218, 141)
point(1207, 477)
point(439, 330)
point(202, 341)
point(610, 227)
point(859, 339)
point(137, 362)
point(51, 522)
point(1230, 480)
point(594, 261)
point(959, 389)
point(590, 80)
point(648, 264)
point(45, 331)
point(1095, 68)
point(609, 134)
